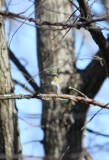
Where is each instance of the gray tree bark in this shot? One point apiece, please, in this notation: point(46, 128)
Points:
point(9, 136)
point(58, 117)
point(63, 137)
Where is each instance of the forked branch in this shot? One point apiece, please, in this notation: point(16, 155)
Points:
point(95, 32)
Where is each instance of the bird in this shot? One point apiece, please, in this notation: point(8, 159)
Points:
point(54, 80)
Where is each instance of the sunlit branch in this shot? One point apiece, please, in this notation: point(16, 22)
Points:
point(56, 96)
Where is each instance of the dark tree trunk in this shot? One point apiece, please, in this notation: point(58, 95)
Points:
point(63, 121)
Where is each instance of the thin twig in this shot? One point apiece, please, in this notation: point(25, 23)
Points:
point(97, 133)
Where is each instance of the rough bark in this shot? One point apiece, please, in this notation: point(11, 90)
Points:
point(63, 136)
point(9, 135)
point(58, 117)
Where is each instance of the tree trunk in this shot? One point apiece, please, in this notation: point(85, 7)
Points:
point(58, 117)
point(9, 135)
point(63, 121)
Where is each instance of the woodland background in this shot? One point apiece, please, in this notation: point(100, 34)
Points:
point(70, 38)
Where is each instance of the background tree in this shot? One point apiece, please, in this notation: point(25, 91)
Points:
point(63, 120)
point(55, 49)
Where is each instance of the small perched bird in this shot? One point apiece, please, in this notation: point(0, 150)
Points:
point(56, 82)
point(52, 77)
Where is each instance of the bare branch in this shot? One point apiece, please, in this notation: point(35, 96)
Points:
point(23, 86)
point(97, 35)
point(85, 22)
point(74, 4)
point(97, 133)
point(56, 96)
point(25, 73)
point(72, 97)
